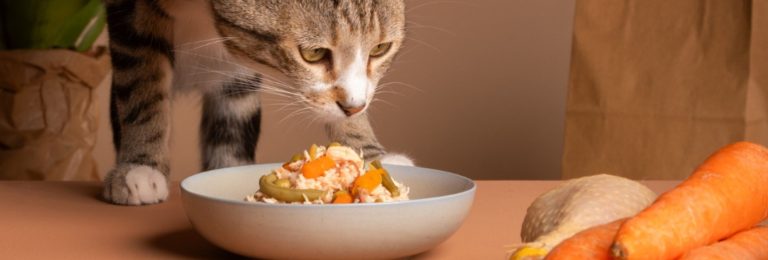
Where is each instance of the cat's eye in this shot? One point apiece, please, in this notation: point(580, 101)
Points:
point(314, 55)
point(380, 49)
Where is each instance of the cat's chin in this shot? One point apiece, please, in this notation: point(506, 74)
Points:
point(333, 115)
point(333, 118)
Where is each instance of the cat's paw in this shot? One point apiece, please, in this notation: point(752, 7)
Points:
point(396, 158)
point(135, 185)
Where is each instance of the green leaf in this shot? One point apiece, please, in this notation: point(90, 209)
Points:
point(93, 28)
point(43, 24)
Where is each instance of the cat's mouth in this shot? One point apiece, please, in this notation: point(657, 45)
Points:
point(351, 110)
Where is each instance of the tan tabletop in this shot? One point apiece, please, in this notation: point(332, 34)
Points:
point(68, 220)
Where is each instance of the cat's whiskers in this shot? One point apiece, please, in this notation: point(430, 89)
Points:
point(389, 84)
point(268, 84)
point(424, 43)
point(295, 113)
point(267, 88)
point(251, 76)
point(403, 52)
point(229, 73)
point(285, 102)
point(385, 92)
point(242, 88)
point(281, 106)
point(415, 25)
point(374, 100)
point(205, 40)
point(278, 85)
point(296, 100)
point(246, 81)
point(311, 122)
point(203, 43)
point(383, 89)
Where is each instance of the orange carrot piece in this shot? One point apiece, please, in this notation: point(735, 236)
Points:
point(317, 167)
point(368, 181)
point(342, 197)
point(727, 193)
point(751, 244)
point(590, 244)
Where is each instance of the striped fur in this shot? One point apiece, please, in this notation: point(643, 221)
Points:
point(254, 45)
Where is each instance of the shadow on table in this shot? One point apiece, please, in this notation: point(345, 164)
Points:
point(188, 243)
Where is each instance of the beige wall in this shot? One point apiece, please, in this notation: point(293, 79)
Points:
point(486, 94)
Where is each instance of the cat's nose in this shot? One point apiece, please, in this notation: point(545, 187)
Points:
point(350, 110)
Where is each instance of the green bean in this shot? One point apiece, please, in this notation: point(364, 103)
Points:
point(269, 187)
point(377, 164)
point(283, 183)
point(387, 181)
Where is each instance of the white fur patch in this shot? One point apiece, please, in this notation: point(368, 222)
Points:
point(147, 186)
point(355, 81)
point(397, 159)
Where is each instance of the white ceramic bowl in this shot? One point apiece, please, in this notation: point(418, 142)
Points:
point(214, 204)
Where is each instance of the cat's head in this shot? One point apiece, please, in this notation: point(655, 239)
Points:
point(335, 52)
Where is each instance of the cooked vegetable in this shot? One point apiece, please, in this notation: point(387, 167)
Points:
point(325, 175)
point(341, 197)
point(387, 181)
point(576, 205)
point(591, 244)
point(368, 181)
point(296, 157)
point(268, 186)
point(727, 193)
point(283, 183)
point(312, 152)
point(377, 164)
point(317, 167)
point(748, 244)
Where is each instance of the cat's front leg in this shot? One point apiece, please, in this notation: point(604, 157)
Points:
point(356, 132)
point(139, 102)
point(231, 124)
point(141, 129)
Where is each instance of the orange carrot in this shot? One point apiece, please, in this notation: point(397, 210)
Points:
point(727, 193)
point(745, 245)
point(317, 167)
point(368, 181)
point(342, 197)
point(590, 244)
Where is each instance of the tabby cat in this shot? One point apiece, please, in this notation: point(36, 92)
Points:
point(326, 54)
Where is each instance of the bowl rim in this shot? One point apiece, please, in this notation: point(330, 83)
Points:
point(185, 182)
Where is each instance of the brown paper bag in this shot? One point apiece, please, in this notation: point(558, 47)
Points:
point(656, 85)
point(48, 115)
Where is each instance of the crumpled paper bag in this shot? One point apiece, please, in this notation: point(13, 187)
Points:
point(656, 86)
point(48, 115)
